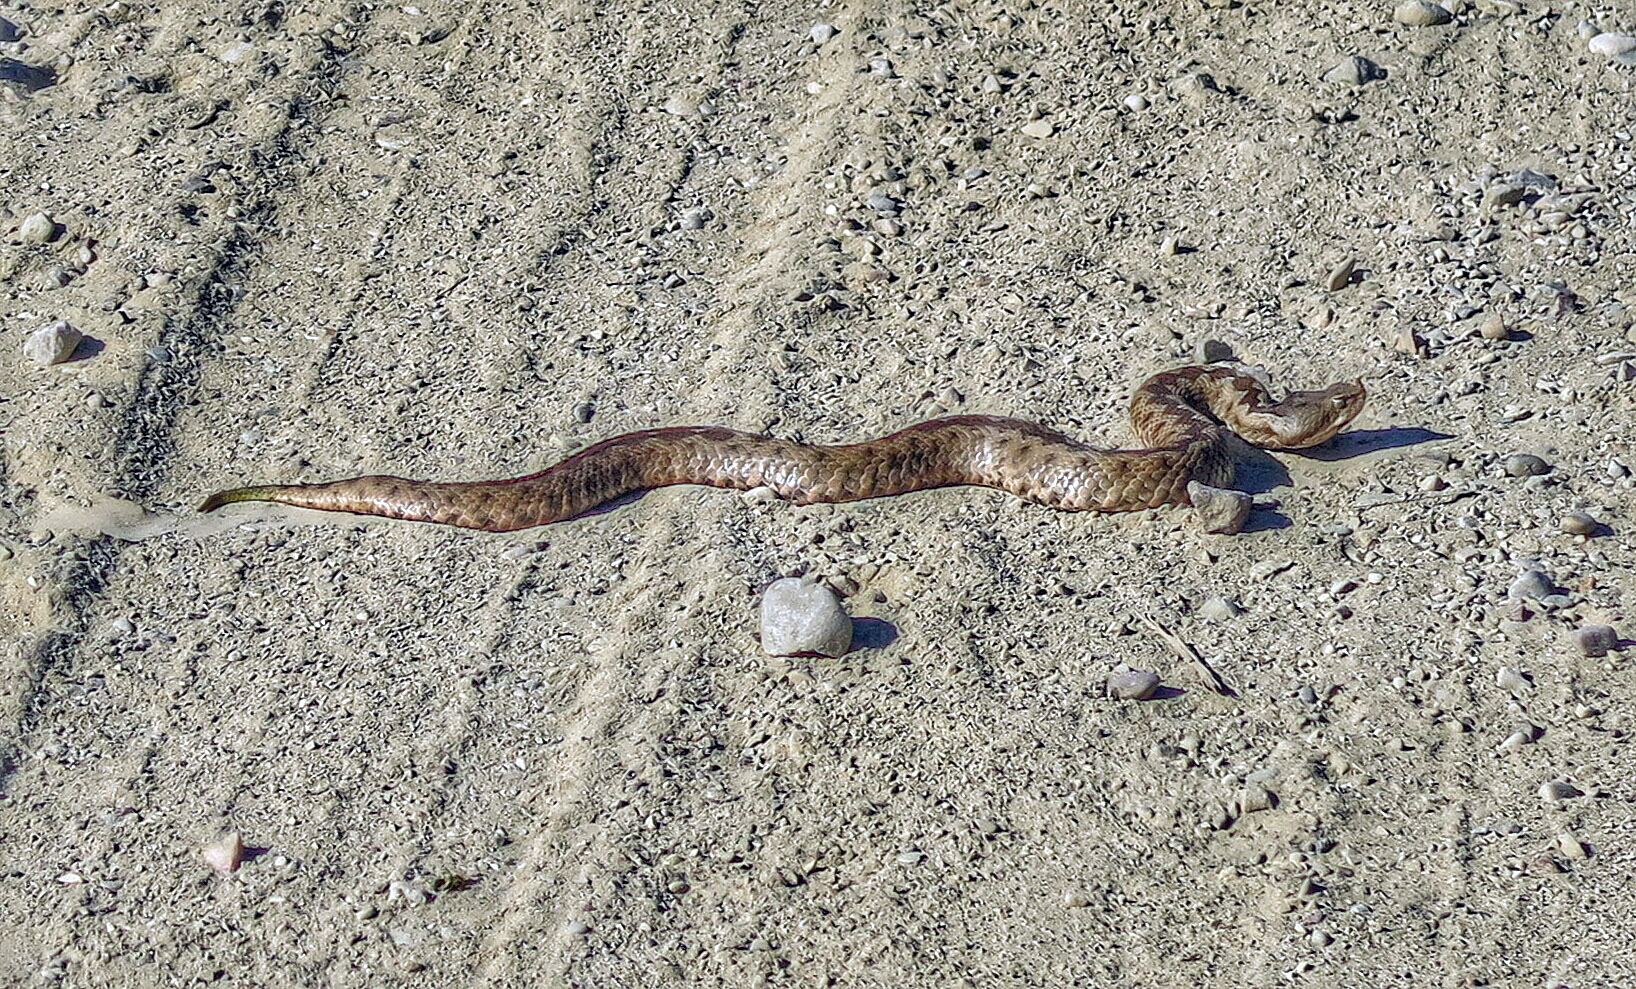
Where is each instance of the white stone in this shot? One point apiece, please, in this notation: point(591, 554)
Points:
point(36, 228)
point(821, 33)
point(1611, 45)
point(52, 344)
point(224, 854)
point(799, 617)
point(1038, 128)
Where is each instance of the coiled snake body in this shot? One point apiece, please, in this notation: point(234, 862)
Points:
point(1181, 416)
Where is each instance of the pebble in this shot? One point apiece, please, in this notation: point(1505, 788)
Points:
point(1254, 798)
point(880, 202)
point(1611, 45)
point(1421, 13)
point(1211, 351)
point(1340, 275)
point(1531, 584)
point(37, 228)
point(1596, 640)
point(1222, 510)
point(799, 617)
point(52, 344)
point(1579, 524)
point(821, 33)
point(225, 854)
point(1132, 685)
point(1571, 846)
point(1494, 328)
point(1038, 128)
point(1354, 70)
point(1074, 899)
point(759, 495)
point(1511, 679)
point(1218, 609)
point(1526, 465)
point(1136, 103)
point(1556, 791)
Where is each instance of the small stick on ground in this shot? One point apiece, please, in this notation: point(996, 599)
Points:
point(1186, 652)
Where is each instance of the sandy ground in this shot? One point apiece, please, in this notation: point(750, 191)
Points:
point(312, 240)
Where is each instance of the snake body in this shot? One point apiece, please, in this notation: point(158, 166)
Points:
point(1181, 416)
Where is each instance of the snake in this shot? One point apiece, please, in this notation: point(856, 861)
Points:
point(1182, 417)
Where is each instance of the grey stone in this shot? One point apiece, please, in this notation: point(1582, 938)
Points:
point(1211, 351)
point(1341, 275)
point(799, 617)
point(1596, 640)
point(52, 344)
point(1222, 510)
point(1579, 524)
point(1132, 685)
point(1354, 70)
point(1556, 791)
point(37, 228)
point(882, 203)
point(1421, 13)
point(1531, 584)
point(1526, 465)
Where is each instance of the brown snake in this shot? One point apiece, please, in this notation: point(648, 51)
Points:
point(1181, 416)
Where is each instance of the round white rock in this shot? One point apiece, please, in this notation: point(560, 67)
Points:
point(799, 617)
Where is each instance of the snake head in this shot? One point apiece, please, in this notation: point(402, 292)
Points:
point(1316, 416)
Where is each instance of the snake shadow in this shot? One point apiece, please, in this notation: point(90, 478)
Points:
point(1364, 441)
point(872, 633)
point(1257, 472)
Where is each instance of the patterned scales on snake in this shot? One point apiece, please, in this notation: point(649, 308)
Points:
point(1181, 416)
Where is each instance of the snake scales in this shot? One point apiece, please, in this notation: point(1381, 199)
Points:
point(1181, 416)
